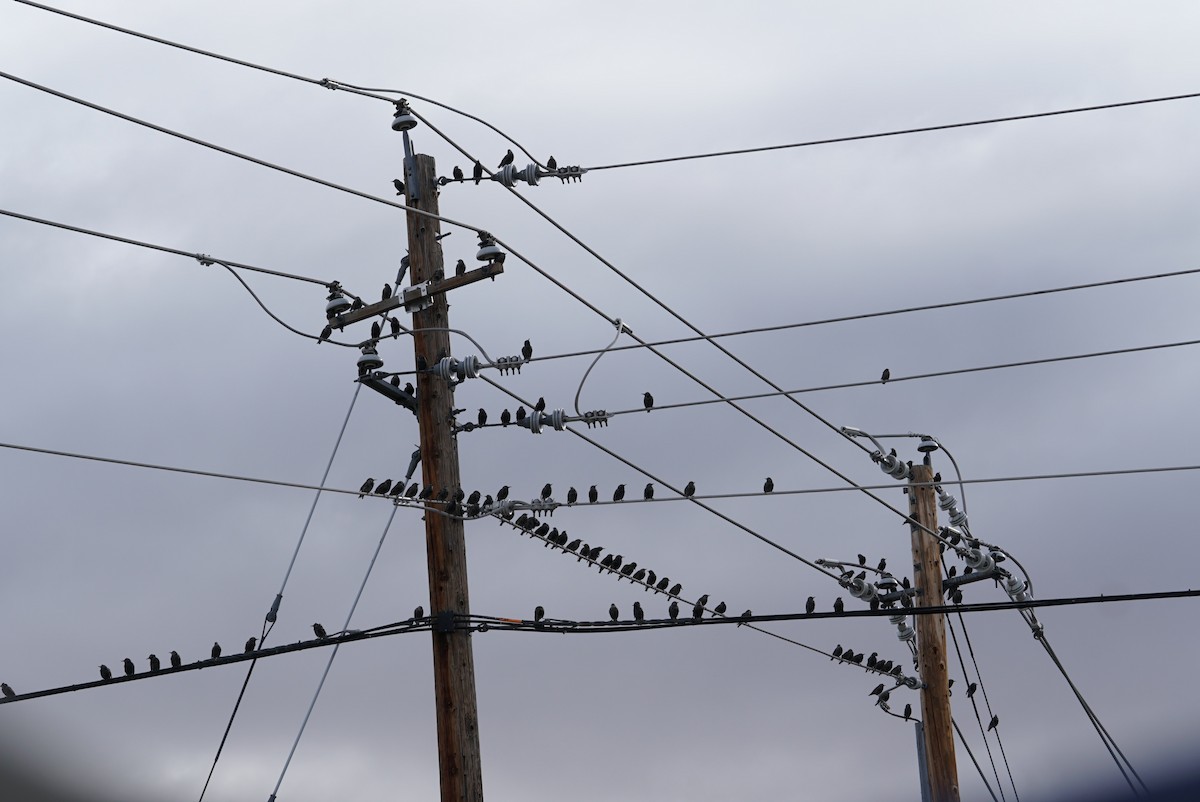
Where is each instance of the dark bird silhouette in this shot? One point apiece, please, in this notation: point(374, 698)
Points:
point(673, 611)
point(326, 333)
point(769, 486)
point(250, 644)
point(882, 565)
point(638, 614)
point(628, 569)
point(546, 491)
point(395, 326)
point(527, 351)
point(6, 690)
point(720, 608)
point(129, 669)
point(837, 651)
point(395, 381)
point(521, 414)
point(639, 574)
point(572, 496)
point(689, 490)
point(478, 172)
point(872, 659)
point(418, 613)
point(551, 164)
point(594, 552)
point(458, 173)
point(412, 490)
point(176, 660)
point(399, 185)
point(862, 560)
point(460, 268)
point(505, 418)
point(907, 712)
point(387, 292)
point(697, 612)
point(481, 418)
point(474, 497)
point(650, 579)
point(675, 590)
point(593, 494)
point(810, 605)
point(366, 487)
point(502, 493)
point(616, 563)
point(745, 617)
point(443, 494)
point(105, 672)
point(971, 690)
point(606, 562)
point(613, 612)
point(878, 690)
point(992, 724)
point(619, 493)
point(838, 606)
point(384, 487)
point(356, 304)
point(848, 656)
point(508, 158)
point(408, 388)
point(703, 600)
point(216, 650)
point(648, 493)
point(648, 401)
point(375, 330)
point(887, 374)
point(319, 631)
point(540, 406)
point(538, 613)
point(662, 584)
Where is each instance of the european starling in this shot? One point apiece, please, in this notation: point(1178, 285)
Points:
point(250, 644)
point(418, 613)
point(399, 185)
point(878, 690)
point(638, 615)
point(675, 589)
point(319, 631)
point(887, 374)
point(538, 613)
point(639, 574)
point(673, 610)
point(595, 553)
point(628, 569)
point(619, 493)
point(408, 388)
point(375, 330)
point(697, 612)
point(572, 496)
point(384, 487)
point(872, 659)
point(478, 173)
point(648, 493)
point(412, 490)
point(613, 612)
point(105, 672)
point(616, 563)
point(387, 292)
point(366, 487)
point(505, 418)
point(422, 363)
point(992, 724)
point(176, 660)
point(720, 608)
point(395, 326)
point(690, 490)
point(769, 486)
point(216, 650)
point(520, 414)
point(882, 565)
point(326, 333)
point(481, 418)
point(551, 164)
point(606, 562)
point(527, 351)
point(155, 664)
point(508, 158)
point(837, 651)
point(703, 600)
point(810, 605)
point(574, 544)
point(593, 495)
point(546, 490)
point(397, 489)
point(458, 173)
point(460, 268)
point(648, 401)
point(129, 669)
point(540, 406)
point(474, 497)
point(971, 690)
point(745, 617)
point(662, 584)
point(838, 606)
point(7, 691)
point(502, 493)
point(862, 560)
point(907, 712)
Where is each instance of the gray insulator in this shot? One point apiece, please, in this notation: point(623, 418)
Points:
point(913, 683)
point(862, 589)
point(947, 501)
point(958, 518)
point(894, 466)
point(1016, 589)
point(978, 560)
point(369, 360)
point(451, 369)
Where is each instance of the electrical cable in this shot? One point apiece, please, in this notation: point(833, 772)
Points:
point(979, 719)
point(587, 372)
point(962, 740)
point(333, 654)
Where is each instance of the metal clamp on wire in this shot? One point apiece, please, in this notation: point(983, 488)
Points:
point(568, 174)
point(416, 297)
point(543, 506)
point(508, 364)
point(596, 417)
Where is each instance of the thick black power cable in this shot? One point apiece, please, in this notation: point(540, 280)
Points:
point(962, 740)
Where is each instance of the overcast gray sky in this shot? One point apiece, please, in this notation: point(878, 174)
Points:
point(123, 352)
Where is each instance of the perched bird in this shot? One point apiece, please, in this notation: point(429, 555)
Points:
point(848, 656)
point(502, 493)
point(648, 493)
point(862, 560)
point(837, 651)
point(703, 600)
point(395, 326)
point(769, 486)
point(720, 608)
point(546, 489)
point(992, 724)
point(574, 544)
point(505, 418)
point(250, 644)
point(697, 611)
point(412, 490)
point(606, 562)
point(551, 164)
point(673, 610)
point(907, 712)
point(326, 333)
point(408, 388)
point(689, 490)
point(129, 669)
point(595, 553)
point(387, 292)
point(521, 414)
point(616, 563)
point(478, 173)
point(675, 590)
point(443, 494)
point(662, 584)
point(593, 495)
point(810, 605)
point(648, 401)
point(418, 613)
point(650, 578)
point(460, 268)
point(538, 613)
point(572, 496)
point(319, 631)
point(422, 363)
point(375, 330)
point(872, 659)
point(745, 617)
point(638, 615)
point(105, 672)
point(481, 418)
point(474, 497)
point(613, 612)
point(399, 185)
point(971, 690)
point(887, 374)
point(395, 382)
point(458, 173)
point(639, 574)
point(366, 487)
point(527, 351)
point(882, 565)
point(176, 660)
point(540, 406)
point(6, 690)
point(838, 606)
point(216, 650)
point(619, 493)
point(384, 487)
point(883, 699)
point(508, 158)
point(878, 690)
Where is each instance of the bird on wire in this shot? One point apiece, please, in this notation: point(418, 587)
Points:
point(474, 497)
point(648, 493)
point(527, 351)
point(837, 652)
point(521, 413)
point(887, 374)
point(395, 326)
point(129, 669)
point(6, 690)
point(619, 493)
point(502, 493)
point(386, 293)
point(538, 613)
point(250, 644)
point(838, 606)
point(458, 173)
point(648, 401)
point(769, 485)
point(546, 489)
point(384, 487)
point(703, 600)
point(574, 544)
point(412, 491)
point(613, 613)
point(689, 490)
point(638, 614)
point(551, 164)
point(662, 584)
point(810, 605)
point(572, 496)
point(673, 611)
point(375, 330)
point(745, 617)
point(105, 672)
point(675, 590)
point(593, 495)
point(878, 690)
point(319, 631)
point(720, 608)
point(418, 613)
point(366, 487)
point(540, 406)
point(176, 660)
point(478, 172)
point(216, 650)
point(505, 418)
point(508, 158)
point(481, 418)
point(907, 712)
point(993, 723)
point(697, 612)
point(650, 577)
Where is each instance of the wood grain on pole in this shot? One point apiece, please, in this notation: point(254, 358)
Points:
point(453, 662)
point(931, 641)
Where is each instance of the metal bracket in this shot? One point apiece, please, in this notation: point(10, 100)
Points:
point(443, 621)
point(416, 297)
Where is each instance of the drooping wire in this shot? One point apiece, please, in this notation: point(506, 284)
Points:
point(269, 620)
point(333, 654)
point(587, 372)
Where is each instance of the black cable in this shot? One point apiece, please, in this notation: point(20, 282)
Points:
point(979, 719)
point(962, 740)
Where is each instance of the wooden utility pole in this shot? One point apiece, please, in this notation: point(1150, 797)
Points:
point(453, 662)
point(941, 768)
